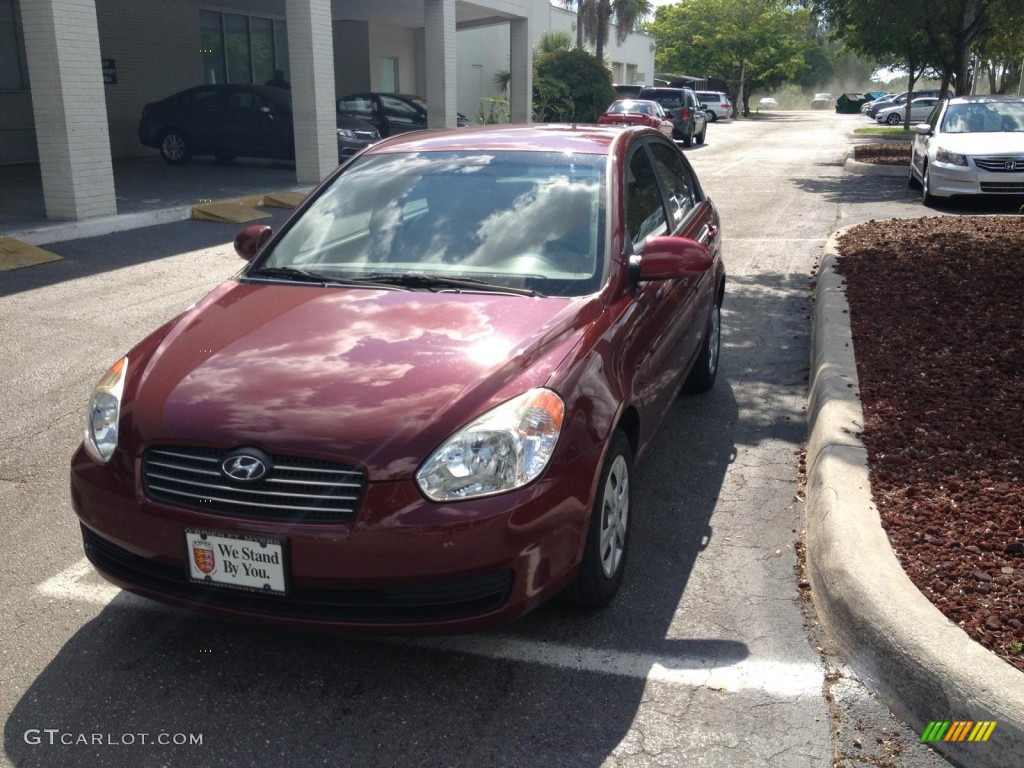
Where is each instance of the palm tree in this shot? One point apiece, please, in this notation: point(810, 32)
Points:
point(594, 18)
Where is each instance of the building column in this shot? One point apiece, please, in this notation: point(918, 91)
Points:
point(440, 63)
point(311, 64)
point(520, 87)
point(62, 45)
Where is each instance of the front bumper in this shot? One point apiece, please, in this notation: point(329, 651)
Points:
point(403, 565)
point(946, 180)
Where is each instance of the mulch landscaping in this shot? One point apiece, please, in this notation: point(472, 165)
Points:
point(886, 153)
point(937, 314)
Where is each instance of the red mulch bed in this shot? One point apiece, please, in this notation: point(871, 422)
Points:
point(886, 153)
point(937, 313)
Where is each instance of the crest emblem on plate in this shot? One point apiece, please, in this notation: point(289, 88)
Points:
point(204, 557)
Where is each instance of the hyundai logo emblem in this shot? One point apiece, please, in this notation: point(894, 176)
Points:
point(243, 467)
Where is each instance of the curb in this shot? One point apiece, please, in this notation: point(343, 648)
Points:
point(922, 665)
point(873, 169)
point(105, 225)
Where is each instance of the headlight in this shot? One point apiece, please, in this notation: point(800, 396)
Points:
point(104, 412)
point(345, 133)
point(504, 449)
point(953, 158)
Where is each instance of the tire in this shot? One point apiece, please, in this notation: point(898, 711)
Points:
point(699, 138)
point(712, 116)
point(894, 119)
point(927, 198)
point(604, 553)
point(175, 147)
point(705, 370)
point(688, 139)
point(912, 181)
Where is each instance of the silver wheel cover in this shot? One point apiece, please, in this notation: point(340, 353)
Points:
point(614, 516)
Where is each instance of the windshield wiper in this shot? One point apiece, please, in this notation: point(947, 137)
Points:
point(419, 280)
point(307, 276)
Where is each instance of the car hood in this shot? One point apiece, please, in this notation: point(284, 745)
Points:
point(377, 378)
point(981, 143)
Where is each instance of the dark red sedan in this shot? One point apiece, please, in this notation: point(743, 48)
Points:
point(417, 407)
point(632, 112)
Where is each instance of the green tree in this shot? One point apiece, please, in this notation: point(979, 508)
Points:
point(596, 18)
point(570, 86)
point(748, 43)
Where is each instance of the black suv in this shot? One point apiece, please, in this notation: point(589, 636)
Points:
point(689, 122)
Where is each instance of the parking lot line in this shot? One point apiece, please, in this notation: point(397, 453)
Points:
point(80, 583)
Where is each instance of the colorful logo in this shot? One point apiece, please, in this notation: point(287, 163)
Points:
point(204, 556)
point(958, 730)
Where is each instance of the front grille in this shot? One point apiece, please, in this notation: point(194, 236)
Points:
point(999, 164)
point(295, 489)
point(366, 135)
point(410, 602)
point(1004, 187)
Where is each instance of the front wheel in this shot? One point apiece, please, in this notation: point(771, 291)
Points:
point(705, 370)
point(699, 138)
point(927, 198)
point(175, 147)
point(604, 553)
point(894, 119)
point(712, 116)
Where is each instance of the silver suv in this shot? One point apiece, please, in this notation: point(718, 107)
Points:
point(689, 121)
point(716, 104)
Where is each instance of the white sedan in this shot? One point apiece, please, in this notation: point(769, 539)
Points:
point(971, 145)
point(920, 108)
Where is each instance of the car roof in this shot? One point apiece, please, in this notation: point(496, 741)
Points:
point(542, 137)
point(978, 99)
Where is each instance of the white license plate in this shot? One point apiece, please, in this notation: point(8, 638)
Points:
point(242, 561)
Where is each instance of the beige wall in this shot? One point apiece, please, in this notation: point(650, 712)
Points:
point(155, 47)
point(396, 42)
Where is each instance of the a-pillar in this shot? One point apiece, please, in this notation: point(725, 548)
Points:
point(439, 41)
point(311, 64)
point(520, 87)
point(62, 45)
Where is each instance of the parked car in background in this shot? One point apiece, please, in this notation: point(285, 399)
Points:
point(628, 91)
point(901, 98)
point(767, 103)
point(418, 407)
point(716, 104)
point(229, 121)
point(636, 112)
point(919, 110)
point(822, 101)
point(688, 118)
point(390, 113)
point(971, 145)
point(868, 104)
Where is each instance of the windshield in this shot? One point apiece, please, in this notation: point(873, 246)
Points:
point(984, 117)
point(514, 219)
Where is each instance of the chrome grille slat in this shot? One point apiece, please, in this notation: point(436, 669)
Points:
point(208, 499)
point(295, 488)
point(997, 164)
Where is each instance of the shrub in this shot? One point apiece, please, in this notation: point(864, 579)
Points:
point(570, 86)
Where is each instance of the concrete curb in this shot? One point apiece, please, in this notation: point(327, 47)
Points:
point(874, 169)
point(921, 664)
point(105, 225)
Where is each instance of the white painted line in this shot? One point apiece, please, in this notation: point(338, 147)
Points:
point(778, 678)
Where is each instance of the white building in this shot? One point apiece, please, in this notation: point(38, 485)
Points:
point(75, 74)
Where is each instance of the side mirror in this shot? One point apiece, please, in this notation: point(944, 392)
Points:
point(924, 129)
point(249, 241)
point(673, 258)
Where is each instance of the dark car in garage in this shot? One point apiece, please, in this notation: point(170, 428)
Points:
point(417, 407)
point(229, 121)
point(391, 113)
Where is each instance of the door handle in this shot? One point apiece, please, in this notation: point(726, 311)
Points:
point(709, 233)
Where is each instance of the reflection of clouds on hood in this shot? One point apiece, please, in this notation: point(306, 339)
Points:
point(546, 213)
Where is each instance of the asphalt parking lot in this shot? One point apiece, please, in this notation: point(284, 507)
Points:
point(705, 659)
